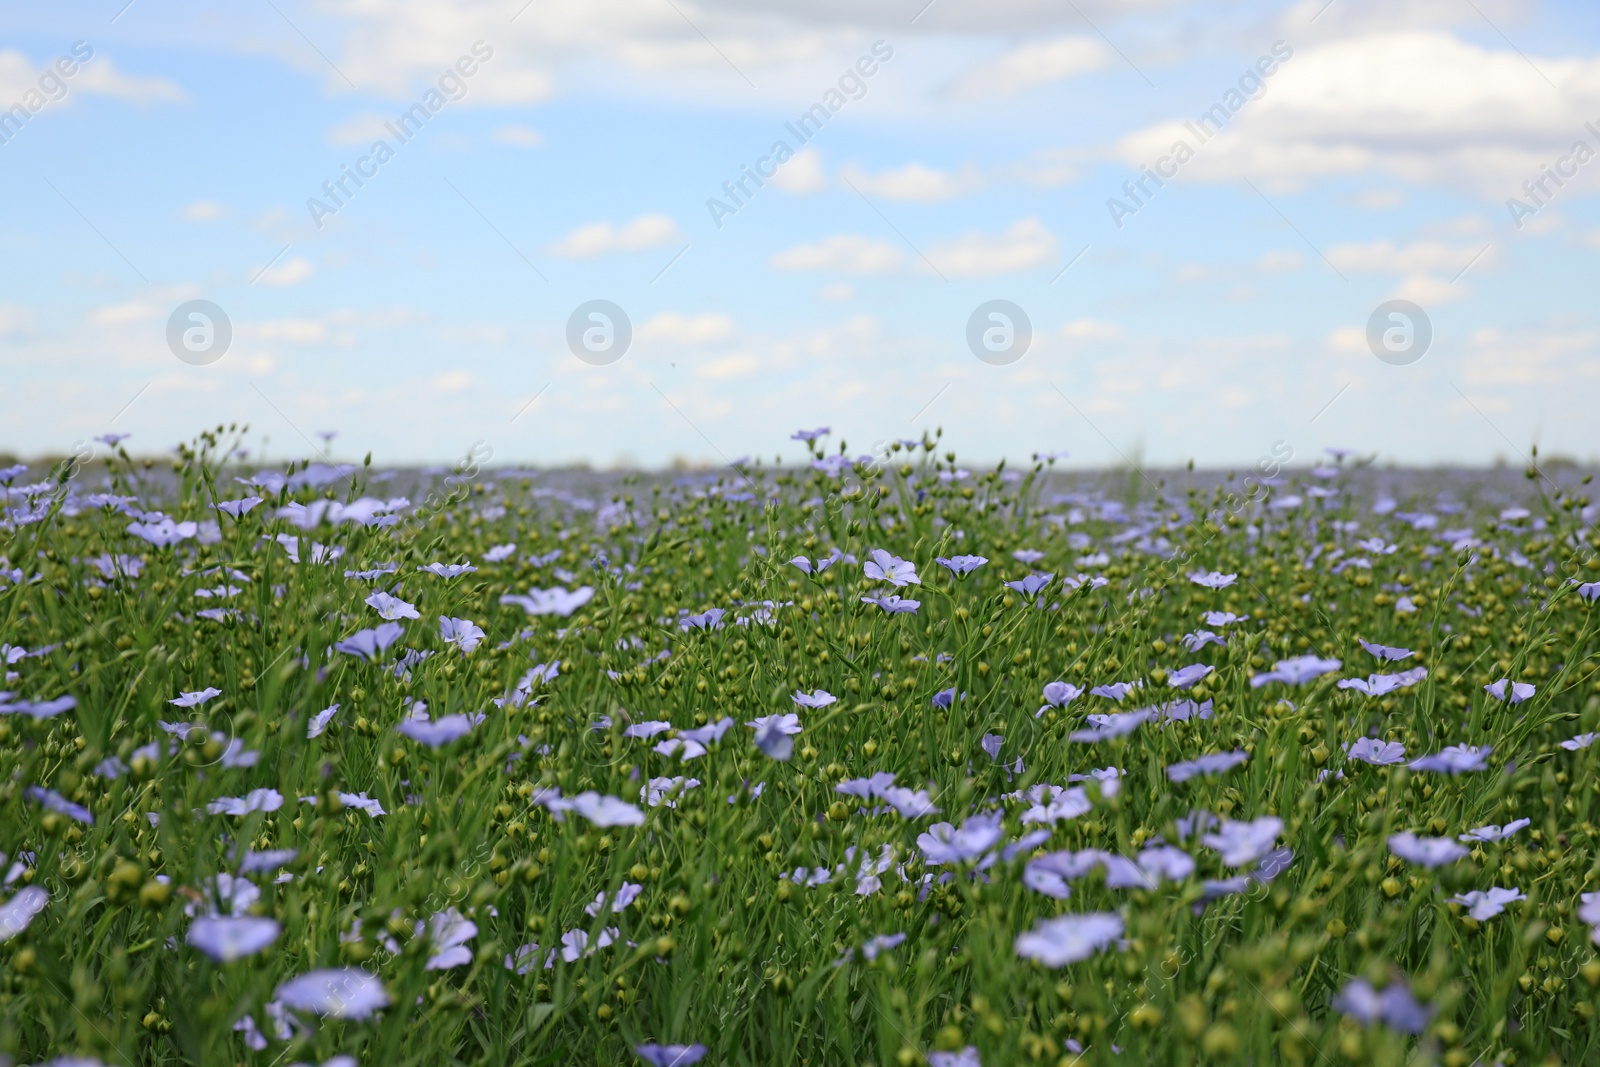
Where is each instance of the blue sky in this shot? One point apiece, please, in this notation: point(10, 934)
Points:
point(1225, 315)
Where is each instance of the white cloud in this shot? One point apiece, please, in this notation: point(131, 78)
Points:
point(846, 253)
point(836, 292)
point(294, 331)
point(361, 129)
point(686, 329)
point(1533, 357)
point(204, 211)
point(801, 175)
point(121, 314)
point(599, 238)
point(1385, 257)
point(1427, 290)
point(914, 182)
point(15, 320)
point(101, 76)
point(1380, 199)
point(1034, 64)
point(1421, 104)
point(1279, 262)
point(291, 271)
point(451, 381)
point(1023, 246)
point(521, 136)
point(734, 365)
point(1091, 330)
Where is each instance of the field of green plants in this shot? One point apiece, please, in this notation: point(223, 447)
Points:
point(847, 760)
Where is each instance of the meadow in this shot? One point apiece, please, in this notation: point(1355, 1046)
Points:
point(850, 760)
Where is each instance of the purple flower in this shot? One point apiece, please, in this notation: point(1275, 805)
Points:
point(229, 938)
point(255, 800)
point(1165, 861)
point(626, 894)
point(1068, 804)
point(1060, 694)
point(1378, 753)
point(893, 604)
point(1069, 938)
point(683, 748)
point(807, 567)
point(44, 709)
point(448, 933)
point(1581, 741)
point(674, 1055)
point(1296, 671)
point(910, 803)
point(1589, 591)
point(1520, 691)
point(553, 601)
point(1184, 677)
point(499, 552)
point(370, 644)
point(463, 633)
point(1378, 685)
point(1495, 833)
point(1385, 652)
point(1117, 691)
point(883, 567)
point(50, 800)
point(1107, 727)
point(809, 435)
point(1050, 873)
point(647, 729)
point(710, 733)
point(866, 788)
point(236, 508)
point(1242, 843)
point(1201, 638)
point(961, 566)
point(436, 732)
point(1455, 759)
point(945, 697)
point(343, 993)
point(319, 721)
point(819, 698)
point(1214, 580)
point(1212, 763)
point(1425, 851)
point(775, 734)
point(448, 570)
point(943, 843)
point(391, 608)
point(967, 1057)
point(18, 912)
point(1027, 555)
point(266, 861)
point(1485, 905)
point(709, 619)
point(1395, 1006)
point(991, 744)
point(190, 700)
point(1223, 618)
point(606, 810)
point(1031, 584)
point(163, 533)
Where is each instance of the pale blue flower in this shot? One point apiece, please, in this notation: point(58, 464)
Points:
point(819, 698)
point(1185, 677)
point(1520, 691)
point(775, 734)
point(1425, 851)
point(1376, 752)
point(881, 566)
point(1210, 764)
point(229, 938)
point(342, 993)
point(1213, 580)
point(1496, 833)
point(463, 633)
point(961, 566)
point(1485, 905)
point(1296, 671)
point(1242, 843)
point(1069, 938)
point(1454, 759)
point(1385, 652)
point(391, 608)
point(673, 1055)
